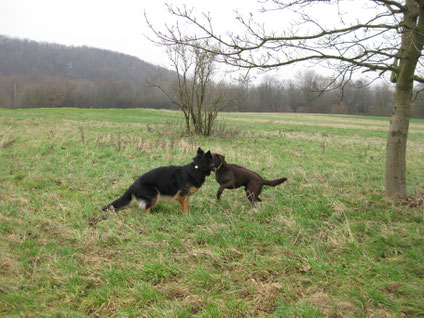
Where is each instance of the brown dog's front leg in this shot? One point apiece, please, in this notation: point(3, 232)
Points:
point(222, 187)
point(220, 190)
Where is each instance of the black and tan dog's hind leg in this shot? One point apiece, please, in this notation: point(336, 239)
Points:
point(147, 198)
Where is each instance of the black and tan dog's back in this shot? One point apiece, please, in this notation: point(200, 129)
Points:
point(174, 182)
point(231, 176)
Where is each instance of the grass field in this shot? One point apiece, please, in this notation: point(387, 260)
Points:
point(324, 244)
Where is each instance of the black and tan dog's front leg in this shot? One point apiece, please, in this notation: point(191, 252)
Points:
point(183, 200)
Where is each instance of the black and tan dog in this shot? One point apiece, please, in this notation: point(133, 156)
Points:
point(174, 182)
point(231, 176)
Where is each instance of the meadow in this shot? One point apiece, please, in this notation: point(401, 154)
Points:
point(324, 244)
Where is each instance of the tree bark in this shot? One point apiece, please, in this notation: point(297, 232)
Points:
point(409, 54)
point(396, 145)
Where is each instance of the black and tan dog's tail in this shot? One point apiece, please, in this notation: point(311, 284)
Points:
point(274, 182)
point(120, 202)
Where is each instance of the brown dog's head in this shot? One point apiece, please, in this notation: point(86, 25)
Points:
point(218, 160)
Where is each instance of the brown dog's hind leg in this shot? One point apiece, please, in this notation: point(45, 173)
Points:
point(252, 197)
point(252, 193)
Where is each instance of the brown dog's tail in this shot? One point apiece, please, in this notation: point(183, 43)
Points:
point(274, 182)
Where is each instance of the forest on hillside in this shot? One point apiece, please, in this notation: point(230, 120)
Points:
point(36, 74)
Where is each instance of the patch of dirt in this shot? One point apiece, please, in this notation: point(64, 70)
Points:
point(267, 295)
point(415, 201)
point(8, 143)
point(329, 307)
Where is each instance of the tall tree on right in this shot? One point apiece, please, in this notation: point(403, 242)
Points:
point(387, 36)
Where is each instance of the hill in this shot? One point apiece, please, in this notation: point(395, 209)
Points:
point(26, 57)
point(36, 74)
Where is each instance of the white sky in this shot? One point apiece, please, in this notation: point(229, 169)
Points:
point(117, 25)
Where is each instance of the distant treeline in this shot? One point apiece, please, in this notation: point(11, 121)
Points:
point(36, 74)
point(28, 91)
point(304, 95)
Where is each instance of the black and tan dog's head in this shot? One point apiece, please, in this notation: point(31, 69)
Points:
point(204, 161)
point(218, 160)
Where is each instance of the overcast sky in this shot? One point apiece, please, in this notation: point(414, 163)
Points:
point(117, 25)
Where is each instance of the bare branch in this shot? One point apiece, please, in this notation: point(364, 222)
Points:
point(371, 45)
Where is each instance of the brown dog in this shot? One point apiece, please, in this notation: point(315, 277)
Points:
point(231, 176)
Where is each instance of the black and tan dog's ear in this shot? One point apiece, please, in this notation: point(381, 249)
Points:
point(209, 155)
point(200, 152)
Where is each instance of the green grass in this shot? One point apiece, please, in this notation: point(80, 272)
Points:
point(325, 243)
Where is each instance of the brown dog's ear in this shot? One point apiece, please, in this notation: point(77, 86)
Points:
point(222, 158)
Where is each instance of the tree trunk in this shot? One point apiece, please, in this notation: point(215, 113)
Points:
point(409, 54)
point(396, 145)
point(187, 120)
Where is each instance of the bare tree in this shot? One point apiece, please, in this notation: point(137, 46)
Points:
point(270, 94)
point(194, 92)
point(388, 36)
